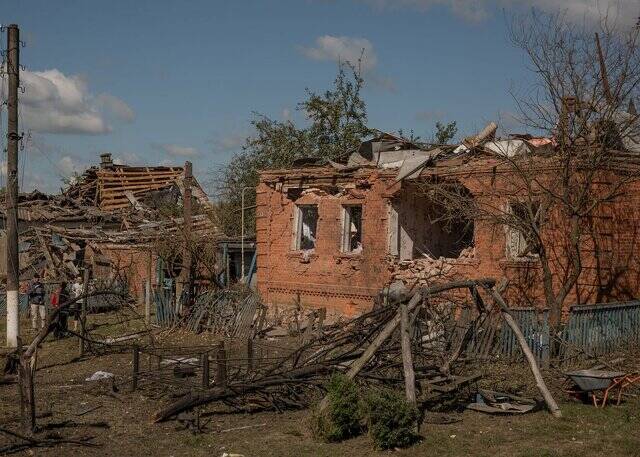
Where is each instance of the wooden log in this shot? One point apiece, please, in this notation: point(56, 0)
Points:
point(533, 365)
point(222, 393)
point(390, 327)
point(407, 357)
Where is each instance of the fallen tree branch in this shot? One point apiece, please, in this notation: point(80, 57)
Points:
point(232, 391)
point(533, 365)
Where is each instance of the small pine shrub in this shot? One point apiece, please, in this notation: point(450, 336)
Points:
point(341, 419)
point(391, 421)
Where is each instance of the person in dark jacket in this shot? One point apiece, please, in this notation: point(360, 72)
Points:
point(35, 295)
point(59, 298)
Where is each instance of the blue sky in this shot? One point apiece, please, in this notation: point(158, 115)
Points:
point(168, 81)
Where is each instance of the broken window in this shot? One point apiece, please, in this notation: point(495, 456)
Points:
point(445, 235)
point(519, 232)
point(306, 226)
point(352, 228)
point(423, 228)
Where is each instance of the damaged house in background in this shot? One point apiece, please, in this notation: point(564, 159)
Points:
point(336, 234)
point(110, 218)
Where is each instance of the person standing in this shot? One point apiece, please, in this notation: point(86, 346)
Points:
point(59, 298)
point(35, 294)
point(77, 289)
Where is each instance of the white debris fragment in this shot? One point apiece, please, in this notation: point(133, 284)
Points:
point(98, 375)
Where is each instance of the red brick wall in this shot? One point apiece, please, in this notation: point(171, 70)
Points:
point(131, 262)
point(344, 282)
point(347, 283)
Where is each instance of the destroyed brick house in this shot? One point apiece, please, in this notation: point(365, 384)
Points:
point(334, 235)
point(109, 219)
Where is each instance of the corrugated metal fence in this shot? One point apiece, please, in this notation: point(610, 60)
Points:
point(535, 327)
point(604, 328)
point(591, 330)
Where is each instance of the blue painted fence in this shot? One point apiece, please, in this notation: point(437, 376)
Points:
point(591, 329)
point(165, 306)
point(535, 327)
point(601, 329)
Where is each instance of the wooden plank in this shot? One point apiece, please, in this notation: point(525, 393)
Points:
point(115, 190)
point(407, 357)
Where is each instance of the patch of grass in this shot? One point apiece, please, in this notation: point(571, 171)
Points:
point(391, 421)
point(341, 419)
point(537, 452)
point(293, 432)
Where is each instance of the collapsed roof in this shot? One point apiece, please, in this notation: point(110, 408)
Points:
point(111, 204)
point(112, 186)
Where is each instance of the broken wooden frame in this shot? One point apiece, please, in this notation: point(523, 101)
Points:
point(363, 347)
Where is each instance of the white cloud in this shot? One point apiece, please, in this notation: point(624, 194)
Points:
point(623, 12)
point(53, 102)
point(343, 48)
point(116, 107)
point(126, 158)
point(358, 52)
point(68, 166)
point(470, 10)
point(176, 150)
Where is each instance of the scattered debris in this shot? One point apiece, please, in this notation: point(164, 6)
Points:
point(99, 375)
point(489, 401)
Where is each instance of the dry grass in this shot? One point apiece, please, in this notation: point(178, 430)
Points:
point(584, 431)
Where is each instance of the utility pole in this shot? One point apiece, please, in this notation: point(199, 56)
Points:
point(185, 274)
point(11, 199)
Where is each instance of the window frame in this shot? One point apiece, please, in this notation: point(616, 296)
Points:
point(298, 226)
point(345, 238)
point(521, 250)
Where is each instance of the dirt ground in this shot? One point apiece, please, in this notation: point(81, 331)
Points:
point(121, 426)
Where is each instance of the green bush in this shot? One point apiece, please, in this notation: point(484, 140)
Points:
point(341, 419)
point(391, 421)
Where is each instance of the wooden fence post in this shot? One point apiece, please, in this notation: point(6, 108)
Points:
point(205, 370)
point(221, 365)
point(136, 367)
point(83, 311)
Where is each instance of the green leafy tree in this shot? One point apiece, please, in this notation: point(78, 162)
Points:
point(336, 126)
point(445, 132)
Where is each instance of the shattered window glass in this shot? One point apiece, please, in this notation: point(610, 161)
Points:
point(352, 230)
point(519, 242)
point(307, 225)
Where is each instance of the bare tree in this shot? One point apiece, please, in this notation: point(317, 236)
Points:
point(550, 197)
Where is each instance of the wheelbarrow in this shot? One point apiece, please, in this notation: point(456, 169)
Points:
point(594, 383)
